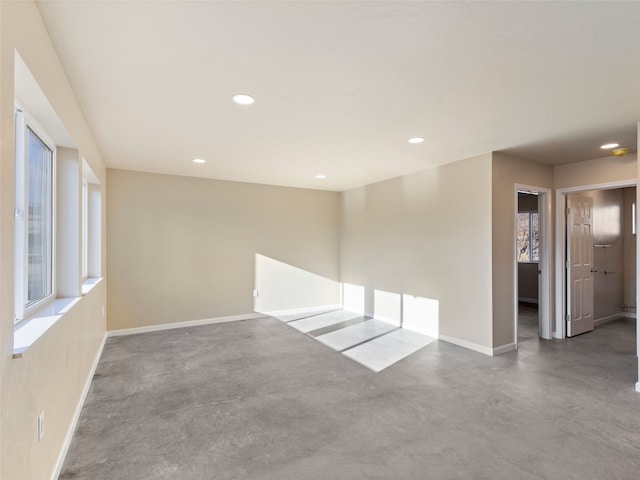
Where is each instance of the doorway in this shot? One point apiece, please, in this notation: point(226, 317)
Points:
point(600, 258)
point(528, 258)
point(532, 264)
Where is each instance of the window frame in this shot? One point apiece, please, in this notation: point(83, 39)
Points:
point(85, 230)
point(23, 124)
point(530, 215)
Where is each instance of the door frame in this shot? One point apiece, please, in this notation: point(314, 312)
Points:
point(545, 308)
point(560, 330)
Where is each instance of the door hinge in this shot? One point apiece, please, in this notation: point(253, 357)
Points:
point(567, 211)
point(568, 318)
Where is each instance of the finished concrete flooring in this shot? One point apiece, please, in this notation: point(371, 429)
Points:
point(259, 400)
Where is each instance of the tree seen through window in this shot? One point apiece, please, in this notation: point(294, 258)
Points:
point(528, 237)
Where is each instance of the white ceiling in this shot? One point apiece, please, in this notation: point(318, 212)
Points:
point(342, 86)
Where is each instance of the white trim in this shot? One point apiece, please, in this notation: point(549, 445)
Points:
point(76, 416)
point(630, 315)
point(27, 332)
point(292, 311)
point(382, 318)
point(637, 386)
point(504, 348)
point(608, 318)
point(465, 344)
point(561, 298)
point(632, 182)
point(189, 323)
point(421, 331)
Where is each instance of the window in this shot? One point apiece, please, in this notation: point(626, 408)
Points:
point(91, 226)
point(34, 214)
point(528, 237)
point(85, 230)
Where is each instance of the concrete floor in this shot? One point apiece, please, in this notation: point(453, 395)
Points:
point(258, 400)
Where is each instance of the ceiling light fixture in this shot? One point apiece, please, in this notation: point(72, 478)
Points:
point(199, 160)
point(416, 140)
point(243, 99)
point(620, 152)
point(609, 145)
point(320, 176)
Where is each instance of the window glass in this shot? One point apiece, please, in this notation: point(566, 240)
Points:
point(40, 219)
point(528, 237)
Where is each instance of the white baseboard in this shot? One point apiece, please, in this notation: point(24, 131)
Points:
point(504, 348)
point(630, 315)
point(189, 323)
point(469, 345)
point(293, 311)
point(637, 386)
point(423, 331)
point(608, 318)
point(76, 415)
point(382, 318)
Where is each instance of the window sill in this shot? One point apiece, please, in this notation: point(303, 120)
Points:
point(29, 331)
point(89, 283)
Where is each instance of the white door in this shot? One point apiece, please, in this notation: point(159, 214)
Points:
point(580, 271)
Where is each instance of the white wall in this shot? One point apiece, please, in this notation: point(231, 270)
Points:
point(423, 242)
point(183, 248)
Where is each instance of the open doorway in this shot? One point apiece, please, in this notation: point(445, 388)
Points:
point(528, 259)
point(600, 250)
point(532, 241)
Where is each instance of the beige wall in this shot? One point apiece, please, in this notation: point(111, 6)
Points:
point(425, 235)
point(507, 172)
point(596, 171)
point(608, 281)
point(52, 374)
point(183, 248)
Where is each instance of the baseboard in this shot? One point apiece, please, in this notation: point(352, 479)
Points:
point(504, 348)
point(637, 386)
point(76, 415)
point(293, 311)
point(608, 318)
point(189, 323)
point(382, 318)
point(469, 345)
point(630, 315)
point(428, 333)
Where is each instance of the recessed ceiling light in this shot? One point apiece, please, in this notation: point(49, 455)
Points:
point(199, 160)
point(243, 99)
point(610, 145)
point(320, 176)
point(416, 140)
